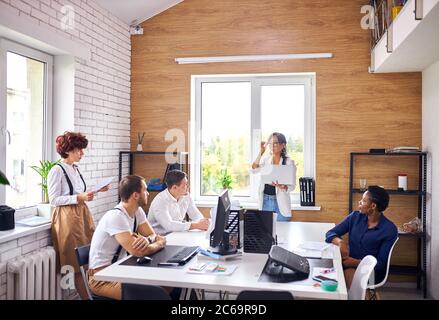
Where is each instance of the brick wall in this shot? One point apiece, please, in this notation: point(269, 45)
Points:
point(102, 100)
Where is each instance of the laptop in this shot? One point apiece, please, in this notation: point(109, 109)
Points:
point(283, 174)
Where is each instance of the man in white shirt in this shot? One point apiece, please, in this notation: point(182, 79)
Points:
point(122, 229)
point(169, 207)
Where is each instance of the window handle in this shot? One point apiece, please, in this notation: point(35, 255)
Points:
point(8, 133)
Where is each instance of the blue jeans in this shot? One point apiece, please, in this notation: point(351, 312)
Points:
point(270, 204)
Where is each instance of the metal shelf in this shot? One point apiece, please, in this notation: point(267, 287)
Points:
point(392, 154)
point(406, 270)
point(420, 194)
point(400, 193)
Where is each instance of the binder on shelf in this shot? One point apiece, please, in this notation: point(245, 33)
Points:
point(307, 191)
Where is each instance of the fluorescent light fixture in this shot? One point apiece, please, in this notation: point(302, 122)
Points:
point(262, 57)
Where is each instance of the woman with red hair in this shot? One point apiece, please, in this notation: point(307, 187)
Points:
point(72, 222)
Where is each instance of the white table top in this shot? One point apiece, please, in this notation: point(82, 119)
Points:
point(245, 277)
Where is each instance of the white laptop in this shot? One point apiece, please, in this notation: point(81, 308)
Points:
point(282, 174)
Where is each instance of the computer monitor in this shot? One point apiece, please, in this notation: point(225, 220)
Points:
point(220, 234)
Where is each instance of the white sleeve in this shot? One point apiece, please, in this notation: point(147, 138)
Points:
point(163, 217)
point(262, 162)
point(54, 182)
point(293, 186)
point(140, 216)
point(192, 211)
point(116, 224)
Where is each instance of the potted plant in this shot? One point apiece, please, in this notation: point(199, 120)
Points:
point(44, 208)
point(225, 179)
point(3, 179)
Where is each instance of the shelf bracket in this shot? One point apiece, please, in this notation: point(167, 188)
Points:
point(419, 9)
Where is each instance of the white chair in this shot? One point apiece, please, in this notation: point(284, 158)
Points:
point(361, 278)
point(373, 287)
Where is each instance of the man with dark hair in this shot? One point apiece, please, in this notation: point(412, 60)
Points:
point(169, 207)
point(370, 233)
point(123, 227)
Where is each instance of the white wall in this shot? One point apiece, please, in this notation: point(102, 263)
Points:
point(101, 107)
point(430, 143)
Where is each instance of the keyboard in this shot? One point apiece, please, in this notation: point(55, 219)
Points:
point(184, 255)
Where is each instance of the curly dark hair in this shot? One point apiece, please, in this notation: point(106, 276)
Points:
point(379, 196)
point(70, 141)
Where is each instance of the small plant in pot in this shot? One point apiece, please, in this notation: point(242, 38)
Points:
point(44, 208)
point(225, 179)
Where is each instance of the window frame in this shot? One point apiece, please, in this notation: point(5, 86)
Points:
point(47, 59)
point(307, 79)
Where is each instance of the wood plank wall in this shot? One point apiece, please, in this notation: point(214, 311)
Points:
point(356, 110)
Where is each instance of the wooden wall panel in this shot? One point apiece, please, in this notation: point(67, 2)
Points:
point(356, 110)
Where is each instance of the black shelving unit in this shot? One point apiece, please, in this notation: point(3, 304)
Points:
point(132, 155)
point(420, 270)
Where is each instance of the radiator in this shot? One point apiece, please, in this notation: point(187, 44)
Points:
point(33, 277)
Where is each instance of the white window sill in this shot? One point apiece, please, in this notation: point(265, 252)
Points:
point(20, 230)
point(254, 205)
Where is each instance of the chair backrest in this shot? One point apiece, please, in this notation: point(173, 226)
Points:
point(82, 256)
point(132, 291)
point(361, 278)
point(374, 286)
point(265, 295)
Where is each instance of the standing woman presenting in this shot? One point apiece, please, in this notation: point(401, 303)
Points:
point(72, 222)
point(275, 197)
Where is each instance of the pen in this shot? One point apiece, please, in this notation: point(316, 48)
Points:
point(168, 264)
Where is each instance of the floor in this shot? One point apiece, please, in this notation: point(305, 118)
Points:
point(390, 293)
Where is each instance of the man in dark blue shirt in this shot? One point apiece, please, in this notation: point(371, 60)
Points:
point(370, 233)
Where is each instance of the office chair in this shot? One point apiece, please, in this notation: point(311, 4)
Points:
point(143, 292)
point(372, 287)
point(361, 278)
point(82, 256)
point(264, 295)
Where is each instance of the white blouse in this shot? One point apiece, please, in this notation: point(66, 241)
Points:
point(59, 191)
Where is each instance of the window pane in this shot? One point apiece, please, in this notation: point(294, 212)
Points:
point(282, 110)
point(225, 136)
point(25, 118)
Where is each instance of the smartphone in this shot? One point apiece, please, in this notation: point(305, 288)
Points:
point(322, 278)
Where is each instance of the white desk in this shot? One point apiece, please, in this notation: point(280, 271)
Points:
point(245, 277)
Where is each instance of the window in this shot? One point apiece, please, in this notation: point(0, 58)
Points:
point(231, 115)
point(25, 108)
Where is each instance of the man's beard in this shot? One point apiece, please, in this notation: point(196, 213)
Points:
point(141, 202)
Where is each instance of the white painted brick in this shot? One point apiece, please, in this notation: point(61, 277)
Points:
point(27, 239)
point(30, 247)
point(3, 279)
point(3, 290)
point(40, 15)
point(46, 9)
point(45, 242)
point(22, 6)
point(43, 234)
point(33, 3)
point(3, 267)
point(8, 246)
point(5, 256)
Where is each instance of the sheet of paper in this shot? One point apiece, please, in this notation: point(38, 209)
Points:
point(314, 245)
point(34, 221)
point(104, 182)
point(308, 253)
point(222, 270)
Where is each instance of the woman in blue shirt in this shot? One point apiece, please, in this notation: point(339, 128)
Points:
point(370, 233)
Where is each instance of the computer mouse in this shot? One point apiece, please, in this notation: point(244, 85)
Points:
point(144, 260)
